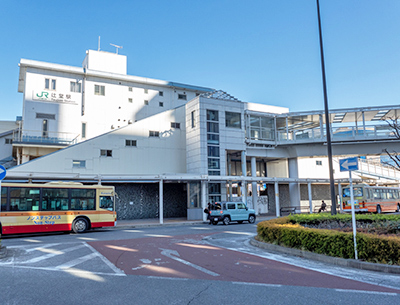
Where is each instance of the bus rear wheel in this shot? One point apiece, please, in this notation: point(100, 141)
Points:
point(80, 225)
point(398, 208)
point(378, 209)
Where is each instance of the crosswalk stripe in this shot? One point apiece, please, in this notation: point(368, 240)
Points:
point(50, 255)
point(43, 247)
point(76, 261)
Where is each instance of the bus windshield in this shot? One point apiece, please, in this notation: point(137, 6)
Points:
point(107, 202)
point(357, 192)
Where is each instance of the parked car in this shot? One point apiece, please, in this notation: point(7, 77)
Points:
point(231, 211)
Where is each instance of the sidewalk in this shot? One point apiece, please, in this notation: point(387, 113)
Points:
point(155, 222)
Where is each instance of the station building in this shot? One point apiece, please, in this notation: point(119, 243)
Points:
point(171, 148)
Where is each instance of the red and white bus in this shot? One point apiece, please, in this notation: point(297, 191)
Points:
point(373, 199)
point(55, 206)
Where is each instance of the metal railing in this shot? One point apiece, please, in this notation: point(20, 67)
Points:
point(44, 138)
point(343, 133)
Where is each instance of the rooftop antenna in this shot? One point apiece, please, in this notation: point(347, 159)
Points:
point(98, 48)
point(117, 47)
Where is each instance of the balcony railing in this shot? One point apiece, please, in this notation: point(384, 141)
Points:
point(44, 138)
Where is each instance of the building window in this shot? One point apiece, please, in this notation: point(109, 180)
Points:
point(130, 100)
point(232, 119)
point(154, 133)
point(160, 93)
point(78, 163)
point(130, 89)
point(146, 91)
point(45, 116)
point(212, 115)
point(175, 125)
point(212, 127)
point(8, 141)
point(105, 153)
point(146, 102)
point(213, 139)
point(213, 163)
point(193, 119)
point(45, 128)
point(161, 104)
point(213, 151)
point(50, 84)
point(99, 90)
point(83, 130)
point(130, 143)
point(75, 87)
point(182, 97)
point(318, 162)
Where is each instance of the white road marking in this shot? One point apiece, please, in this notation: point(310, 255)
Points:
point(367, 292)
point(77, 261)
point(63, 270)
point(173, 255)
point(44, 247)
point(106, 261)
point(257, 284)
point(50, 255)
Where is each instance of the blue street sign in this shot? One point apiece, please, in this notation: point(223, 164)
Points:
point(3, 172)
point(349, 164)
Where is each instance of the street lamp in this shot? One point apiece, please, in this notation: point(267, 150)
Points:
point(327, 123)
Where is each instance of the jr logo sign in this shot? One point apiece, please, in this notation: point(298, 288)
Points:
point(44, 94)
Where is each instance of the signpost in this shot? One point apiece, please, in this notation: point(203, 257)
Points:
point(351, 164)
point(3, 173)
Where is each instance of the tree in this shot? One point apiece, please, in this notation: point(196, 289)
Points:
point(394, 124)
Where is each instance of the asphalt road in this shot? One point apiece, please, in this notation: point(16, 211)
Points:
point(176, 265)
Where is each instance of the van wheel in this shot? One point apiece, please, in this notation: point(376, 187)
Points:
point(226, 220)
point(252, 219)
point(378, 209)
point(80, 225)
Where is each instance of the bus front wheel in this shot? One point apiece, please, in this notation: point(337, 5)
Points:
point(80, 225)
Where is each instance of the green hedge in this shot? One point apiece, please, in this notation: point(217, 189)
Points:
point(372, 248)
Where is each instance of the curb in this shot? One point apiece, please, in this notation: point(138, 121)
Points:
point(342, 262)
point(130, 226)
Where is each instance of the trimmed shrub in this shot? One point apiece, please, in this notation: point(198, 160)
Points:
point(288, 232)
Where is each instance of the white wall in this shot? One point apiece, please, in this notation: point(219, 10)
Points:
point(105, 61)
point(166, 154)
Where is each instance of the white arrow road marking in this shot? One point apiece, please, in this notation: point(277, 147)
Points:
point(173, 255)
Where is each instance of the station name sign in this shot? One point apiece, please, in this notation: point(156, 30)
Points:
point(53, 97)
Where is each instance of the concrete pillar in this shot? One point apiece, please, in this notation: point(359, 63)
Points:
point(277, 205)
point(294, 188)
point(340, 197)
point(254, 184)
point(161, 203)
point(244, 174)
point(310, 197)
point(230, 174)
point(203, 198)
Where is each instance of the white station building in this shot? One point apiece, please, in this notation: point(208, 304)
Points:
point(171, 148)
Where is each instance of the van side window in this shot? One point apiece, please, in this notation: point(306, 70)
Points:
point(231, 206)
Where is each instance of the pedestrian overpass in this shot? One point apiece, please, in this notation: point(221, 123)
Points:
point(354, 132)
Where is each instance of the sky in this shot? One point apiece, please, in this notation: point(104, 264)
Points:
point(258, 51)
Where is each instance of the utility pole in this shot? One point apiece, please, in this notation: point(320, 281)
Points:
point(327, 121)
